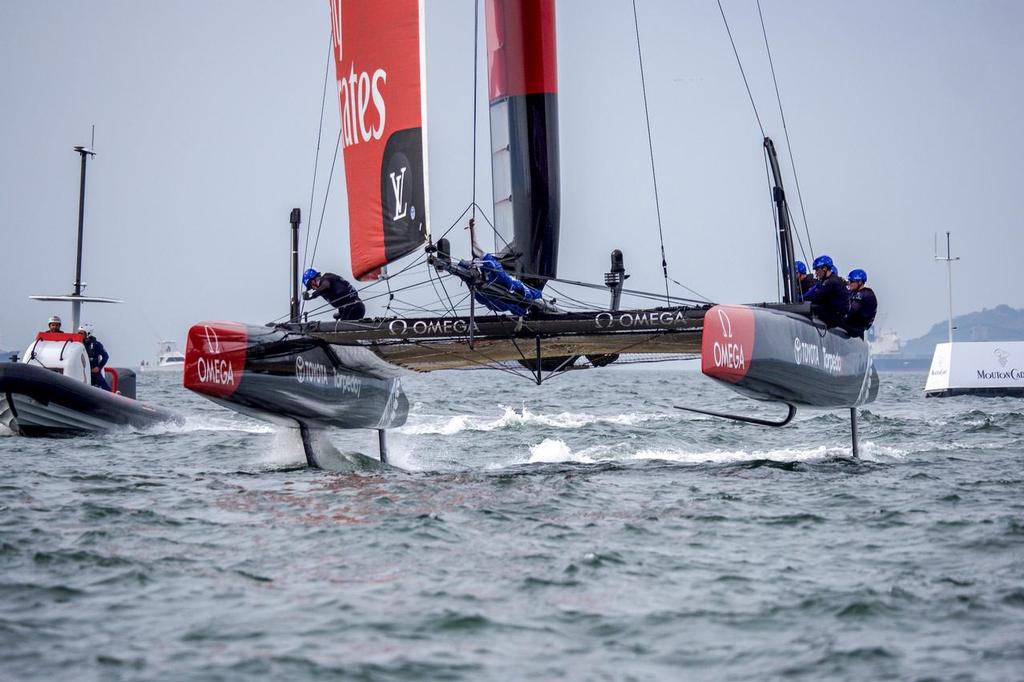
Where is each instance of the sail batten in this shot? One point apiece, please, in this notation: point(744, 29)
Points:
point(380, 66)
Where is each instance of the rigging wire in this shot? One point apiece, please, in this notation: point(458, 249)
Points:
point(785, 130)
point(316, 158)
point(650, 146)
point(476, 75)
point(701, 296)
point(740, 64)
point(323, 208)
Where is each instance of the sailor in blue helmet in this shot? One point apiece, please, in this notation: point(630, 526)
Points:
point(335, 290)
point(863, 304)
point(830, 300)
point(98, 355)
point(805, 280)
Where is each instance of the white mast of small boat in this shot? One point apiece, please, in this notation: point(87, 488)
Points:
point(76, 298)
point(949, 273)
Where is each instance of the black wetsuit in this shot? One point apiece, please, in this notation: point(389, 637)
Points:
point(98, 358)
point(339, 293)
point(806, 283)
point(830, 300)
point(863, 306)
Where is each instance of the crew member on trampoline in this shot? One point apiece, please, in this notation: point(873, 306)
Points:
point(863, 304)
point(336, 291)
point(830, 300)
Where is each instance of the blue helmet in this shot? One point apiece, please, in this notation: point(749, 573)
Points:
point(823, 262)
point(858, 275)
point(308, 276)
point(801, 267)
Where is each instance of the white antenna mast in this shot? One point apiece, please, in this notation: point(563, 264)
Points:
point(949, 271)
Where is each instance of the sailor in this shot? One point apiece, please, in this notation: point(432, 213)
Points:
point(336, 291)
point(53, 326)
point(863, 304)
point(830, 300)
point(97, 355)
point(805, 280)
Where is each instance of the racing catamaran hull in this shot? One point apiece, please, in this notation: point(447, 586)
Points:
point(35, 401)
point(770, 354)
point(291, 379)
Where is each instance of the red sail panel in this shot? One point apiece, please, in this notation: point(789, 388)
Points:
point(521, 47)
point(380, 67)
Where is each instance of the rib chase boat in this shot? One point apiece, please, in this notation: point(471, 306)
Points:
point(317, 375)
point(49, 391)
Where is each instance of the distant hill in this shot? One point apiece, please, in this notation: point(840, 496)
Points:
point(5, 355)
point(1001, 323)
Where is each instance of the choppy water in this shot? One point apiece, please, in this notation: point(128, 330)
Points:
point(580, 530)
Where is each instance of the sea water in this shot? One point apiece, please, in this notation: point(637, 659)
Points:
point(584, 529)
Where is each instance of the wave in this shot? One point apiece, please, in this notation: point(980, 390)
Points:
point(285, 451)
point(511, 418)
point(193, 423)
point(554, 450)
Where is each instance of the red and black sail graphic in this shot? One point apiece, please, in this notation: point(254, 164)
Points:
point(378, 58)
point(523, 80)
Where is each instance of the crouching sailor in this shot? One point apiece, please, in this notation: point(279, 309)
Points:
point(830, 300)
point(498, 290)
point(863, 304)
point(336, 291)
point(98, 356)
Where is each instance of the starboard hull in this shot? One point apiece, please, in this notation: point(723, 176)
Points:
point(35, 401)
point(292, 379)
point(770, 354)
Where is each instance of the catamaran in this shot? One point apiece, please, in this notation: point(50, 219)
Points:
point(315, 375)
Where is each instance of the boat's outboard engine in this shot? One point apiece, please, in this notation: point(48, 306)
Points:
point(59, 352)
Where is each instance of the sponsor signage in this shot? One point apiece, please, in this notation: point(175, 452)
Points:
point(813, 353)
point(985, 364)
point(636, 320)
point(640, 318)
point(215, 358)
point(379, 67)
point(315, 373)
point(727, 342)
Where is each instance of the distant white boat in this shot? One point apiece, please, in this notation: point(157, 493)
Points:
point(168, 359)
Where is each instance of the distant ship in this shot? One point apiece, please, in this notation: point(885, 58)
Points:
point(887, 353)
point(168, 359)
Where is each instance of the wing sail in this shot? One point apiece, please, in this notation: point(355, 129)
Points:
point(523, 89)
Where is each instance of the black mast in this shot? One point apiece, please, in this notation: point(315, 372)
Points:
point(791, 292)
point(295, 219)
point(76, 306)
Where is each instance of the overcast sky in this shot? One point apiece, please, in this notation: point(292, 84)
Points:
point(904, 119)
